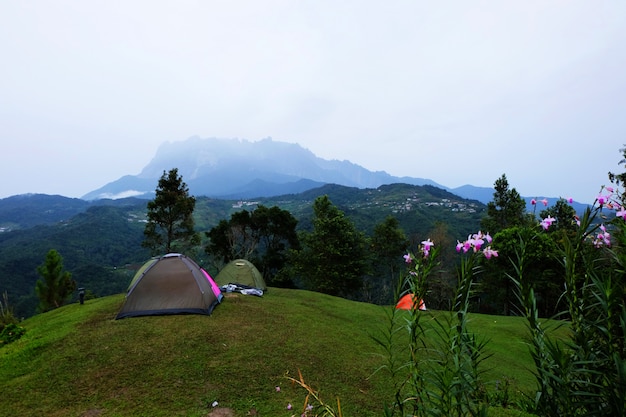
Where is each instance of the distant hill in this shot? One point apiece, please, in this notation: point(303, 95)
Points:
point(100, 240)
point(28, 210)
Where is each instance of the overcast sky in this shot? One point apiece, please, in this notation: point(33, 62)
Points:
point(460, 92)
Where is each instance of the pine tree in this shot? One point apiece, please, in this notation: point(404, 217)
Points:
point(170, 226)
point(507, 209)
point(334, 257)
point(55, 285)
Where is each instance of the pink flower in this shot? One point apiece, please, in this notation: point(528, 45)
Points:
point(277, 388)
point(621, 213)
point(488, 252)
point(289, 406)
point(407, 258)
point(609, 189)
point(475, 242)
point(533, 201)
point(570, 200)
point(602, 238)
point(427, 244)
point(545, 202)
point(602, 199)
point(547, 222)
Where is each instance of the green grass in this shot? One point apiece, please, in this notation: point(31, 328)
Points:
point(79, 361)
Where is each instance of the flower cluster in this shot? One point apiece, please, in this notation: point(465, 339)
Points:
point(547, 222)
point(424, 248)
point(607, 198)
point(602, 237)
point(426, 245)
point(475, 243)
point(544, 202)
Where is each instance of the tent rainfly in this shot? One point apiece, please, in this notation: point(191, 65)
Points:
point(171, 284)
point(409, 302)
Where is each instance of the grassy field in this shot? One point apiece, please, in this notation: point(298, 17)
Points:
point(79, 361)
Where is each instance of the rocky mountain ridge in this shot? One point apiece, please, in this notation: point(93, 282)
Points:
point(237, 168)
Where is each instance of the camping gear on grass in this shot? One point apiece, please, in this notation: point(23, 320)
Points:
point(171, 284)
point(409, 302)
point(241, 273)
point(243, 289)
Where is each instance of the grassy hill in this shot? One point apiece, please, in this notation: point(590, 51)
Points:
point(79, 361)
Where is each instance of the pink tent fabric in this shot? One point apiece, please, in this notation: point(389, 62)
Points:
point(214, 287)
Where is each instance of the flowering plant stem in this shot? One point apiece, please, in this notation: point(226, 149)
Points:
point(586, 373)
point(443, 371)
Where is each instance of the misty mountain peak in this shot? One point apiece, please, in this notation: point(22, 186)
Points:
point(239, 168)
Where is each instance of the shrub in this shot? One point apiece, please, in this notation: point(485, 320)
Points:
point(11, 333)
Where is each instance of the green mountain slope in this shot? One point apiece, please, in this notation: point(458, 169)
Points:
point(102, 244)
point(79, 361)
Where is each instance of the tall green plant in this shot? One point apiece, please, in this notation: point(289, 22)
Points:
point(7, 315)
point(444, 375)
point(585, 374)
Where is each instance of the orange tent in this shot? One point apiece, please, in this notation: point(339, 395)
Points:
point(408, 302)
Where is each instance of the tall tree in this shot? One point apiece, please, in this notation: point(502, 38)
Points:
point(170, 226)
point(334, 256)
point(55, 285)
point(276, 230)
point(388, 244)
point(262, 236)
point(236, 238)
point(507, 209)
point(443, 281)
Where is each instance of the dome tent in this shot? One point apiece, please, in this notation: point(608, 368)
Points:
point(241, 272)
point(410, 302)
point(171, 284)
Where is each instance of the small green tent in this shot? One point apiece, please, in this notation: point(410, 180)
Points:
point(242, 272)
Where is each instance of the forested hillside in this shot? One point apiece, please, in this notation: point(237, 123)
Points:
point(101, 245)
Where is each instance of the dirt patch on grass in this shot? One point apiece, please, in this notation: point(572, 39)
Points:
point(91, 413)
point(221, 412)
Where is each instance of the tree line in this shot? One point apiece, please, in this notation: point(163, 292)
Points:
point(334, 257)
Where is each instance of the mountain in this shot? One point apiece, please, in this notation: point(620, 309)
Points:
point(241, 169)
point(234, 168)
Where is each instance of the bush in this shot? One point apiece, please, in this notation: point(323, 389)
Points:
point(11, 333)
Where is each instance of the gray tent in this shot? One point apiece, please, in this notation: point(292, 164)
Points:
point(171, 284)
